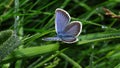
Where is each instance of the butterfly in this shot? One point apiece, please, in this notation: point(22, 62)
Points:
point(66, 31)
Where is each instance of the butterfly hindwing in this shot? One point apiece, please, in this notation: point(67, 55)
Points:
point(73, 29)
point(71, 32)
point(69, 39)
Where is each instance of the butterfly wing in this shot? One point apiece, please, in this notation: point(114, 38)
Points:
point(73, 29)
point(62, 18)
point(69, 39)
point(71, 32)
point(52, 39)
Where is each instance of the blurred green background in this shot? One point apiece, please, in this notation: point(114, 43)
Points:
point(32, 20)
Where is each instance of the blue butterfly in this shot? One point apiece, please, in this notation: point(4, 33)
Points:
point(66, 32)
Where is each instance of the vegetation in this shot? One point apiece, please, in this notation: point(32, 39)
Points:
point(23, 24)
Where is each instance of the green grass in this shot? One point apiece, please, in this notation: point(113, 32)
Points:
point(23, 23)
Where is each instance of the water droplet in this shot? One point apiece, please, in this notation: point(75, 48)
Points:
point(103, 27)
point(45, 64)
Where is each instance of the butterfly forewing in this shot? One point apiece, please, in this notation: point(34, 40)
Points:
point(62, 18)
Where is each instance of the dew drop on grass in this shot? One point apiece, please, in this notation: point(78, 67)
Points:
point(46, 64)
point(103, 27)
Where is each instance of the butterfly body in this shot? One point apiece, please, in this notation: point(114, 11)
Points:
point(64, 35)
point(66, 32)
